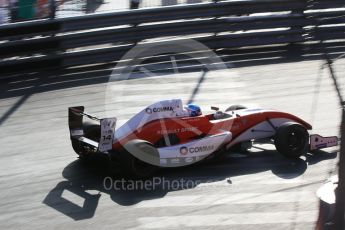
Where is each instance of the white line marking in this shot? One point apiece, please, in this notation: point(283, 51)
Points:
point(232, 198)
point(73, 198)
point(148, 72)
point(226, 219)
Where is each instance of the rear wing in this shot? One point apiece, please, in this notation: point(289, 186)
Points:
point(104, 140)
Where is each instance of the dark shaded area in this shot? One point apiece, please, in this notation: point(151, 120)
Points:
point(81, 177)
point(169, 2)
point(55, 200)
point(92, 5)
point(193, 1)
point(93, 74)
point(24, 85)
point(196, 89)
point(14, 107)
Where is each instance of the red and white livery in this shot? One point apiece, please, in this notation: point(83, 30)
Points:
point(164, 135)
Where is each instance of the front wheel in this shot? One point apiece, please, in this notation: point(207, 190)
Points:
point(291, 140)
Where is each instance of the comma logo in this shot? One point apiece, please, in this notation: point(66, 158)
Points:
point(163, 109)
point(160, 109)
point(148, 110)
point(183, 150)
point(205, 148)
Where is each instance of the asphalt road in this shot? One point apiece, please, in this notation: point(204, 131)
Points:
point(43, 185)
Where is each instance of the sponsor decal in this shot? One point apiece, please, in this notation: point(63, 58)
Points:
point(179, 130)
point(159, 109)
point(204, 148)
point(183, 150)
point(321, 145)
point(193, 119)
point(148, 110)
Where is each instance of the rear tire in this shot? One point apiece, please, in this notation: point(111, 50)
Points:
point(292, 140)
point(173, 139)
point(132, 166)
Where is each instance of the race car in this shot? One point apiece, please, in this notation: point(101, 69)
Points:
point(168, 134)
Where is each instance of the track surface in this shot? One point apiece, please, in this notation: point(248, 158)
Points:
point(43, 185)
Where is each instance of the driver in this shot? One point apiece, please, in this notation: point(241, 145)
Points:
point(193, 110)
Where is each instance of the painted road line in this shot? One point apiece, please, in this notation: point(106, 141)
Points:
point(226, 219)
point(231, 198)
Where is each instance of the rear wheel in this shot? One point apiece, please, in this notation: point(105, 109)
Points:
point(162, 142)
point(291, 140)
point(139, 159)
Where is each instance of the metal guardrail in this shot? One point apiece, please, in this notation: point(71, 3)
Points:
point(31, 46)
point(70, 8)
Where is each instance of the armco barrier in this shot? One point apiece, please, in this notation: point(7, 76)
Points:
point(31, 46)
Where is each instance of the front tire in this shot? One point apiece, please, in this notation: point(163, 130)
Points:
point(292, 140)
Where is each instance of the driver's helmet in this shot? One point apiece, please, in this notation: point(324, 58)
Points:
point(193, 110)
